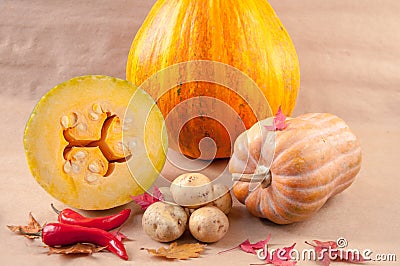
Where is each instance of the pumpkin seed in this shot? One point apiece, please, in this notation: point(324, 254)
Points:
point(91, 178)
point(93, 116)
point(82, 127)
point(117, 127)
point(132, 144)
point(97, 108)
point(73, 119)
point(125, 127)
point(119, 146)
point(128, 120)
point(75, 168)
point(79, 155)
point(94, 168)
point(65, 121)
point(67, 167)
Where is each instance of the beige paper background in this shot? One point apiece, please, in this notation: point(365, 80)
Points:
point(349, 55)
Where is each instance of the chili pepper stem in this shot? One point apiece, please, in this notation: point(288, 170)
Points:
point(55, 209)
point(22, 232)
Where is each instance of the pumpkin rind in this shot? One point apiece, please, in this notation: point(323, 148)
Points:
point(315, 157)
point(247, 35)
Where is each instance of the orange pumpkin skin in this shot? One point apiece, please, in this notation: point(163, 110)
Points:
point(316, 157)
point(244, 34)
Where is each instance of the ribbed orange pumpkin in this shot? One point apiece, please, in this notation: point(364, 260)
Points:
point(315, 158)
point(245, 34)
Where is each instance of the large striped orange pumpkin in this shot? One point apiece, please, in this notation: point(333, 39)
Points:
point(314, 158)
point(245, 34)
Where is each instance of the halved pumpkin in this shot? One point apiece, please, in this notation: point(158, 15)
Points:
point(93, 141)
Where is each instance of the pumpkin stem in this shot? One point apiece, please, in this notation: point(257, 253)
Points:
point(262, 175)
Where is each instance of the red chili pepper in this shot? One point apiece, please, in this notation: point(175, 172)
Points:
point(68, 216)
point(57, 234)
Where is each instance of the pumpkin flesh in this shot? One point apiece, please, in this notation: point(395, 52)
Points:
point(93, 141)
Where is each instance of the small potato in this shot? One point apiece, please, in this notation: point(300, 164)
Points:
point(192, 190)
point(208, 224)
point(164, 222)
point(223, 198)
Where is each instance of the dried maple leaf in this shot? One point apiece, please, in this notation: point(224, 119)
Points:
point(145, 199)
point(246, 246)
point(281, 257)
point(322, 248)
point(33, 227)
point(157, 193)
point(279, 121)
point(175, 251)
point(350, 256)
point(75, 249)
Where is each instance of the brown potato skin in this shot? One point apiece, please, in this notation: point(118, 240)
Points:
point(164, 222)
point(208, 224)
